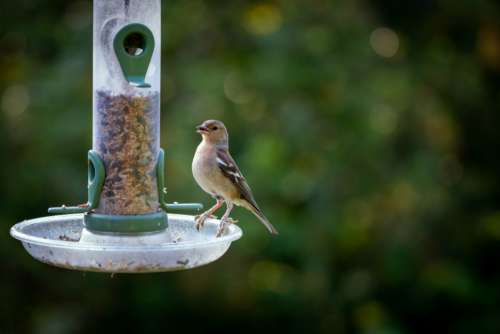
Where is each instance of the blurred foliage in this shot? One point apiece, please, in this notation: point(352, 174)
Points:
point(368, 130)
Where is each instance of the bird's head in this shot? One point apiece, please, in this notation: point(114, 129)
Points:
point(213, 131)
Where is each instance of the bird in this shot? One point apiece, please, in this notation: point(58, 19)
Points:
point(217, 174)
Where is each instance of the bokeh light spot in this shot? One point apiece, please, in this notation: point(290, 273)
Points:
point(384, 119)
point(263, 19)
point(15, 101)
point(385, 42)
point(490, 225)
point(267, 275)
point(235, 90)
point(370, 316)
point(489, 46)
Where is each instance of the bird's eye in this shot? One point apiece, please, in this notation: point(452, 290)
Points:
point(214, 128)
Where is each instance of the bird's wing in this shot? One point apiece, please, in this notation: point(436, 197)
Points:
point(230, 170)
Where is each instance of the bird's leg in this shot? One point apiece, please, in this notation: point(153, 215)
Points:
point(200, 219)
point(225, 219)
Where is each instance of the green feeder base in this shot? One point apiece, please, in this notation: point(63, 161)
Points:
point(130, 224)
point(154, 222)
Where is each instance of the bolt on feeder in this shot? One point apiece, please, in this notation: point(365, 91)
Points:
point(125, 226)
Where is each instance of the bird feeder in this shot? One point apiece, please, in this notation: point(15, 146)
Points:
point(126, 224)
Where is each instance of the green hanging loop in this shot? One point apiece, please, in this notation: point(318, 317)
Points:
point(134, 45)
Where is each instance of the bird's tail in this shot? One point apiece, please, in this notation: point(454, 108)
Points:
point(259, 214)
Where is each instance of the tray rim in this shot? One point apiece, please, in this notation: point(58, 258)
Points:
point(233, 233)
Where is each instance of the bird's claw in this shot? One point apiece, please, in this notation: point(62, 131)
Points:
point(223, 224)
point(200, 220)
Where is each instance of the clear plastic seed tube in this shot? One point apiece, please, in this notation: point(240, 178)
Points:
point(126, 114)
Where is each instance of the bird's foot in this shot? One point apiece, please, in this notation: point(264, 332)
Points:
point(200, 220)
point(223, 224)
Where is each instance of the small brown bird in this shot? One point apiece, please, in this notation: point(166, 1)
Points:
point(217, 174)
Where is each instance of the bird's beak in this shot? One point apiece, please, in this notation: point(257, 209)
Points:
point(202, 129)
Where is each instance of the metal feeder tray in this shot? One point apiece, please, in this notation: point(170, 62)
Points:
point(63, 241)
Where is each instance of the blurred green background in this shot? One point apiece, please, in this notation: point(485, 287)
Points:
point(367, 129)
